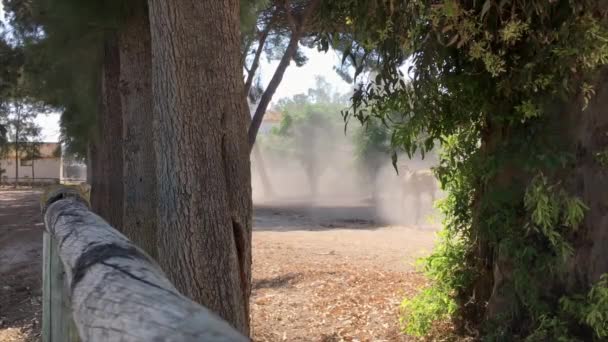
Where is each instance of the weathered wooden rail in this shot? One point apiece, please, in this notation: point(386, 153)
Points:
point(98, 286)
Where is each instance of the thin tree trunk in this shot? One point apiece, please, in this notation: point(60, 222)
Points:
point(261, 167)
point(297, 27)
point(17, 131)
point(94, 174)
point(16, 164)
point(256, 59)
point(244, 53)
point(107, 187)
point(276, 79)
point(204, 177)
point(268, 191)
point(90, 156)
point(484, 299)
point(139, 212)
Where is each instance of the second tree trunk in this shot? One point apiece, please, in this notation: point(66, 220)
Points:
point(204, 180)
point(139, 212)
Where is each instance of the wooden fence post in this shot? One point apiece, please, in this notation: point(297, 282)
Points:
point(57, 322)
point(111, 288)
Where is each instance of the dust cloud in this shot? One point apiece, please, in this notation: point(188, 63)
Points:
point(321, 170)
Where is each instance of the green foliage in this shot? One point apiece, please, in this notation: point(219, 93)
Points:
point(550, 329)
point(304, 116)
point(446, 267)
point(430, 306)
point(602, 158)
point(22, 132)
point(11, 69)
point(488, 80)
point(436, 303)
point(372, 139)
point(550, 208)
point(11, 65)
point(63, 42)
point(591, 309)
point(250, 10)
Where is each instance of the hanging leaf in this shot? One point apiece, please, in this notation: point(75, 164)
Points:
point(486, 7)
point(453, 40)
point(394, 161)
point(359, 70)
point(378, 78)
point(345, 55)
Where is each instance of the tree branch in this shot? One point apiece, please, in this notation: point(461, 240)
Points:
point(256, 59)
point(244, 55)
point(256, 121)
point(291, 50)
point(290, 18)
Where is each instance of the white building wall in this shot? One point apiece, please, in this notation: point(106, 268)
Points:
point(43, 168)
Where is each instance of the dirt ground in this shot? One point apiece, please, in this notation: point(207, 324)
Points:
point(20, 265)
point(320, 273)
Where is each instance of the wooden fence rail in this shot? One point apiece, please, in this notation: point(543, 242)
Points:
point(98, 286)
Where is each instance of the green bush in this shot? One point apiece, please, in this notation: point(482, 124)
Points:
point(445, 269)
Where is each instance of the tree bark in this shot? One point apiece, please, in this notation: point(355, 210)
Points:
point(589, 181)
point(583, 133)
point(203, 168)
point(117, 292)
point(107, 187)
point(17, 131)
point(139, 162)
point(16, 164)
point(91, 153)
point(486, 298)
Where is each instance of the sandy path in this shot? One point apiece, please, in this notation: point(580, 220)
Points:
point(330, 273)
point(20, 265)
point(322, 273)
point(338, 233)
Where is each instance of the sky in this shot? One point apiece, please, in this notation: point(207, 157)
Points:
point(299, 80)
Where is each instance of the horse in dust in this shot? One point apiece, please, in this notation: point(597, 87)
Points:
point(416, 183)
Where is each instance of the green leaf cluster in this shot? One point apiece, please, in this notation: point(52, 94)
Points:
point(488, 80)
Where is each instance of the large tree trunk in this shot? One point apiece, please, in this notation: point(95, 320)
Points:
point(139, 218)
point(107, 186)
point(583, 133)
point(589, 181)
point(204, 177)
point(91, 154)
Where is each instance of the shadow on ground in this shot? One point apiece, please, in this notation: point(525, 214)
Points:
point(283, 280)
point(294, 216)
